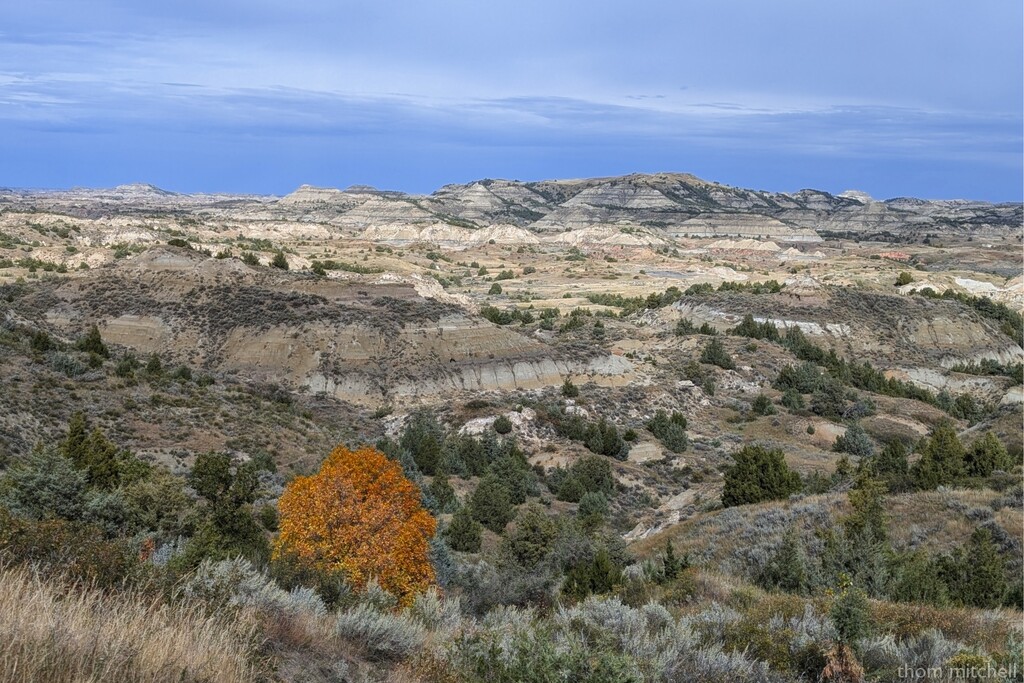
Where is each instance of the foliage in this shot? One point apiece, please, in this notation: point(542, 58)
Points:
point(890, 464)
point(92, 342)
point(670, 430)
point(762, 405)
point(503, 425)
point(602, 437)
point(851, 614)
point(788, 569)
point(758, 474)
point(854, 441)
point(380, 634)
point(569, 390)
point(530, 538)
point(596, 576)
point(594, 474)
point(279, 261)
point(360, 515)
point(715, 354)
point(755, 330)
point(987, 455)
point(491, 504)
point(229, 527)
point(593, 509)
point(423, 437)
point(43, 485)
point(441, 491)
point(792, 399)
point(464, 532)
point(976, 574)
point(942, 458)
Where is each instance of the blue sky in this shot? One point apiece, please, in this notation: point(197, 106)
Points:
point(909, 98)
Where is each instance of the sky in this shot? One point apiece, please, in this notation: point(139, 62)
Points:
point(917, 98)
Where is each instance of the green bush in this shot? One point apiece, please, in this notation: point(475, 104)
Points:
point(715, 354)
point(279, 261)
point(43, 485)
point(855, 442)
point(758, 474)
point(570, 390)
point(503, 425)
point(464, 533)
point(491, 504)
point(942, 458)
point(92, 342)
point(762, 405)
point(670, 430)
point(986, 456)
point(792, 399)
point(593, 510)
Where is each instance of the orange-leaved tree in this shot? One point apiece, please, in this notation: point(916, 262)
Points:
point(360, 515)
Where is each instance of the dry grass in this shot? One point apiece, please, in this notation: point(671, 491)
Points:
point(54, 634)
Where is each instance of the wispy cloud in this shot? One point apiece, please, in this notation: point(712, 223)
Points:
point(514, 88)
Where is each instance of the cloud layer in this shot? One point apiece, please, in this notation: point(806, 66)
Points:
point(913, 99)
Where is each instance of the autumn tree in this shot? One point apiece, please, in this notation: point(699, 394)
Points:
point(359, 515)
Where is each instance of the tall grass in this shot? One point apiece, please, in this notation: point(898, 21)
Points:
point(52, 632)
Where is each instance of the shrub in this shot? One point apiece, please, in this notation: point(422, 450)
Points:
point(127, 365)
point(495, 289)
point(758, 474)
point(986, 456)
point(503, 425)
point(855, 442)
point(443, 494)
point(762, 405)
point(570, 489)
point(792, 399)
point(569, 390)
point(803, 378)
point(788, 569)
point(434, 612)
point(593, 509)
point(904, 278)
point(464, 532)
point(754, 330)
point(530, 538)
point(603, 438)
point(423, 437)
point(92, 342)
point(715, 354)
point(684, 326)
point(976, 574)
point(279, 261)
point(380, 635)
point(596, 575)
point(491, 504)
point(670, 430)
point(594, 474)
point(829, 399)
point(44, 484)
point(942, 458)
point(851, 615)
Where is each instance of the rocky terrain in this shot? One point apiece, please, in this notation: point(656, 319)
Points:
point(624, 210)
point(572, 316)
